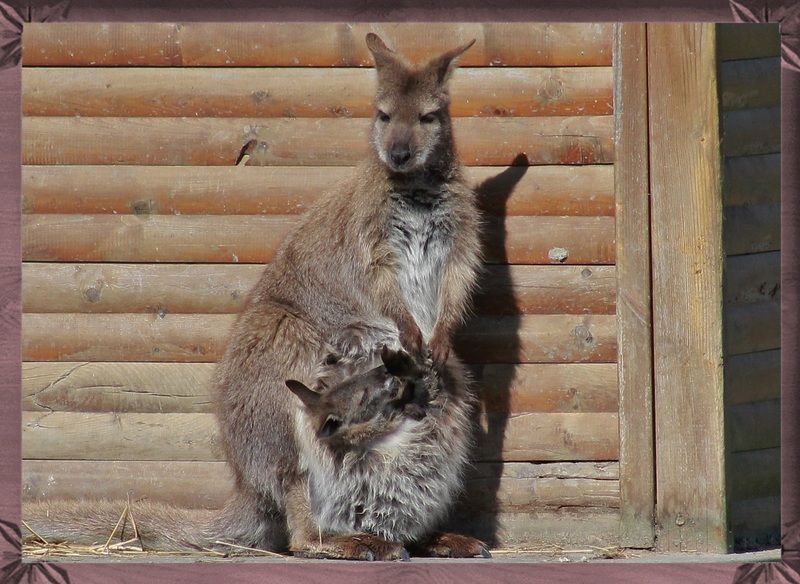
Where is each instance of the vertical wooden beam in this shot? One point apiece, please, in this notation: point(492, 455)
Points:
point(637, 474)
point(686, 213)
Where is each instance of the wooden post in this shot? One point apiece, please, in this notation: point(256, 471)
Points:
point(687, 250)
point(634, 332)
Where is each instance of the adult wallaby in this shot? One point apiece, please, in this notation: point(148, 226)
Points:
point(398, 241)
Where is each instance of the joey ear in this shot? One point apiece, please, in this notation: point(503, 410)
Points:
point(309, 397)
point(398, 363)
point(444, 65)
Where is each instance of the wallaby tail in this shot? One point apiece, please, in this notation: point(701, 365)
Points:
point(157, 526)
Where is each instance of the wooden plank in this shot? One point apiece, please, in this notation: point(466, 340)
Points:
point(634, 317)
point(751, 131)
point(752, 228)
point(186, 387)
point(222, 288)
point(286, 190)
point(255, 238)
point(208, 484)
point(752, 327)
point(755, 425)
point(160, 437)
point(748, 41)
point(752, 180)
point(296, 92)
point(752, 278)
point(300, 141)
point(750, 83)
point(687, 287)
point(200, 338)
point(756, 523)
point(753, 377)
point(755, 474)
point(287, 44)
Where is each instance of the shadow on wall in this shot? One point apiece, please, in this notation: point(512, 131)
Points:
point(477, 513)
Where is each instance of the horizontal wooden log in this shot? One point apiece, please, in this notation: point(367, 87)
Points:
point(201, 338)
point(752, 228)
point(162, 437)
point(752, 180)
point(296, 92)
point(288, 44)
point(752, 327)
point(751, 131)
point(750, 83)
point(207, 485)
point(287, 190)
point(755, 474)
point(748, 41)
point(756, 523)
point(221, 288)
point(186, 387)
point(301, 141)
point(754, 426)
point(255, 238)
point(752, 278)
point(753, 377)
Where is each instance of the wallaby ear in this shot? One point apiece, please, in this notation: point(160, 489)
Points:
point(309, 397)
point(444, 65)
point(384, 56)
point(398, 363)
point(329, 427)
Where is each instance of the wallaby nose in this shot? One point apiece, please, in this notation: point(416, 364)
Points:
point(400, 154)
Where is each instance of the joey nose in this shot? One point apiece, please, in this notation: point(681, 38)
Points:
point(400, 154)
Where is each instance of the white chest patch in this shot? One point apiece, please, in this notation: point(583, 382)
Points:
point(421, 238)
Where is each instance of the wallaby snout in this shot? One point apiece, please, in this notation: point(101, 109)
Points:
point(400, 154)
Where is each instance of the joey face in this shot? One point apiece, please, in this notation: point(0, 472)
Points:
point(412, 115)
point(363, 407)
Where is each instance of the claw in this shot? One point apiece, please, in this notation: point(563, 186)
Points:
point(485, 552)
point(404, 557)
point(369, 556)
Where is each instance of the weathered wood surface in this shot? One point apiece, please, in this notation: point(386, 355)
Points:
point(752, 327)
point(750, 83)
point(687, 286)
point(748, 41)
point(633, 295)
point(292, 92)
point(186, 387)
point(522, 486)
point(287, 44)
point(755, 474)
point(756, 523)
point(222, 288)
point(287, 190)
point(159, 437)
point(201, 338)
point(752, 278)
point(754, 426)
point(751, 131)
point(753, 377)
point(255, 238)
point(752, 228)
point(300, 141)
point(752, 180)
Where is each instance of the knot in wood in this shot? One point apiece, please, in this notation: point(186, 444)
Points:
point(558, 254)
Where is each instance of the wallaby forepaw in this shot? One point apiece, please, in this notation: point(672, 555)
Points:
point(452, 545)
point(362, 547)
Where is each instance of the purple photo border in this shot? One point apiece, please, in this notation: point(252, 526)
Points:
point(12, 18)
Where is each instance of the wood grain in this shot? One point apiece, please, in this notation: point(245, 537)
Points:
point(687, 287)
point(752, 327)
point(634, 316)
point(752, 228)
point(286, 190)
point(255, 238)
point(300, 141)
point(754, 426)
point(751, 131)
point(309, 92)
point(290, 44)
point(753, 377)
point(222, 288)
point(752, 179)
point(201, 338)
point(186, 387)
point(755, 474)
point(161, 437)
point(750, 83)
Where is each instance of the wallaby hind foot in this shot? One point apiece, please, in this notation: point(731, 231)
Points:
point(451, 545)
point(359, 546)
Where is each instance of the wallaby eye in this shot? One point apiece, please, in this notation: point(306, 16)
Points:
point(329, 428)
point(428, 118)
point(383, 116)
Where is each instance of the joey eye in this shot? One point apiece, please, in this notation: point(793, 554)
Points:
point(329, 428)
point(428, 118)
point(383, 116)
